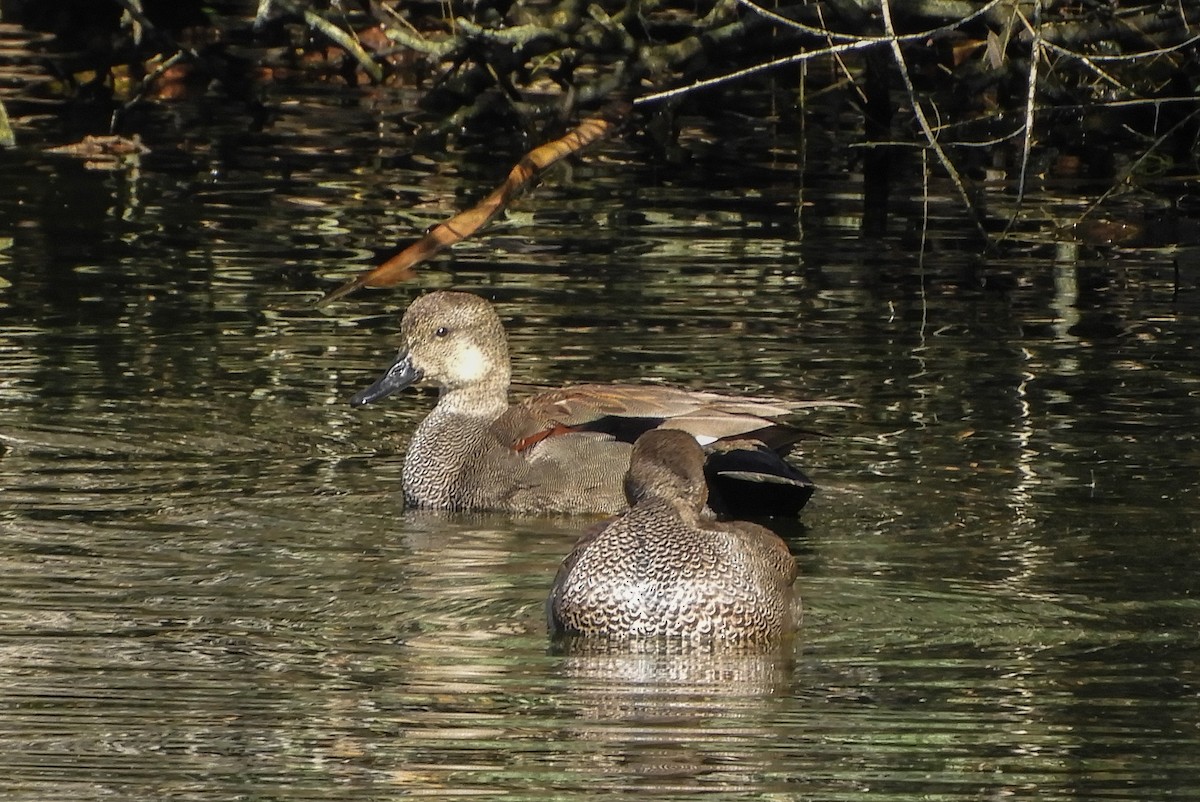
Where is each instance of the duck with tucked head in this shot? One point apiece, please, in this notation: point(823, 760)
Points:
point(665, 569)
point(567, 450)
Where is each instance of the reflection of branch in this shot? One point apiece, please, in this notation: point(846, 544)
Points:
point(464, 224)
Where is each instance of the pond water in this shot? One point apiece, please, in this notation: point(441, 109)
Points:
point(212, 589)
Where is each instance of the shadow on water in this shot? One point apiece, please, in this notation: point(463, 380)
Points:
point(213, 591)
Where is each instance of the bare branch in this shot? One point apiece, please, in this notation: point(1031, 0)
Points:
point(1035, 57)
point(346, 42)
point(1132, 168)
point(930, 137)
point(857, 43)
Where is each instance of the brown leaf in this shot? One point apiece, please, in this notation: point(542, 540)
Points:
point(965, 49)
point(995, 51)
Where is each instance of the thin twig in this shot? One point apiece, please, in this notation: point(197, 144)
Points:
point(346, 42)
point(1035, 57)
point(339, 37)
point(137, 16)
point(1117, 104)
point(825, 33)
point(1141, 54)
point(859, 43)
point(1132, 168)
point(862, 95)
point(930, 137)
point(1090, 63)
point(795, 58)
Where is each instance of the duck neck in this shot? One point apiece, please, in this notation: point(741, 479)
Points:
point(672, 507)
point(688, 511)
point(479, 399)
point(449, 445)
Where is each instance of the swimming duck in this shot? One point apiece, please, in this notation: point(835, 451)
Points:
point(665, 569)
point(567, 450)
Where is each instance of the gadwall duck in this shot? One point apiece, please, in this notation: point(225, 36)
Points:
point(665, 569)
point(566, 450)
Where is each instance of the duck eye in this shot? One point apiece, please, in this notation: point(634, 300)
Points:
point(442, 331)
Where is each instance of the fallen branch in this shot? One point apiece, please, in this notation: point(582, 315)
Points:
point(346, 42)
point(341, 38)
point(400, 267)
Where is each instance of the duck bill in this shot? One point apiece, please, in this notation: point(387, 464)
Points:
point(401, 374)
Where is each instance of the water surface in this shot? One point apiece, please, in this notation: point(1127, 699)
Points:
point(213, 590)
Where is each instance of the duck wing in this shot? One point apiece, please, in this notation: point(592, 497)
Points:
point(626, 411)
point(748, 478)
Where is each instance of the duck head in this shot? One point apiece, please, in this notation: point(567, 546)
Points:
point(667, 464)
point(452, 339)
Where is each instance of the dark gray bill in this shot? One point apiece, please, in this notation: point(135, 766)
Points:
point(397, 377)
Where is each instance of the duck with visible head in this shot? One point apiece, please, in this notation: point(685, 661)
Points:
point(665, 569)
point(564, 451)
